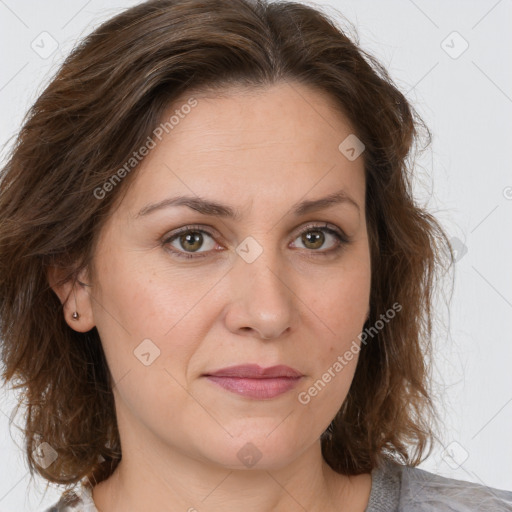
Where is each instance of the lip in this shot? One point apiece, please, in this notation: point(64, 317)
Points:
point(254, 371)
point(253, 381)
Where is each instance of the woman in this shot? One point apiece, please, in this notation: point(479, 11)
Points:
point(283, 366)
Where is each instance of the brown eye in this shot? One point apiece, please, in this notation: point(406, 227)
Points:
point(188, 241)
point(314, 238)
point(191, 241)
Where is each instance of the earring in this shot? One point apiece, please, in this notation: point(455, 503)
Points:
point(75, 315)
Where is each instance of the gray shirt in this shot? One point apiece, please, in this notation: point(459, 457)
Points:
point(395, 488)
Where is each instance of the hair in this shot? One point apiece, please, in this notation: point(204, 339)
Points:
point(102, 105)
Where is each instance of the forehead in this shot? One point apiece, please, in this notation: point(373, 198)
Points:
point(274, 142)
point(286, 114)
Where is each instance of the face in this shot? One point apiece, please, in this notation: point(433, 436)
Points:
point(179, 292)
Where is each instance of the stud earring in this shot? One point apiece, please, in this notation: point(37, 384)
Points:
point(75, 315)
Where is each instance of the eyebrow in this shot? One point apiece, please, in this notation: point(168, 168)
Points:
point(213, 208)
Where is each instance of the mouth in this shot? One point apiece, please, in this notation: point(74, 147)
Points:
point(253, 381)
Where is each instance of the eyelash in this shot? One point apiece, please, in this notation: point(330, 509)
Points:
point(341, 240)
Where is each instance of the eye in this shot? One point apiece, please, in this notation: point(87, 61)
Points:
point(186, 242)
point(191, 239)
point(314, 237)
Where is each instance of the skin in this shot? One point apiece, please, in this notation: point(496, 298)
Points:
point(261, 151)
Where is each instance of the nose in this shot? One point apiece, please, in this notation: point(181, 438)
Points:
point(263, 303)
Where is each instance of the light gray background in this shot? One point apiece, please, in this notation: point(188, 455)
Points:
point(467, 180)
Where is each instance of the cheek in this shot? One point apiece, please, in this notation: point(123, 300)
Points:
point(336, 315)
point(141, 316)
point(339, 299)
point(149, 301)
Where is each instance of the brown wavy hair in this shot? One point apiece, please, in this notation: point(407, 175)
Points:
point(104, 101)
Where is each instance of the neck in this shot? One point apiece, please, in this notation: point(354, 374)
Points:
point(156, 475)
point(182, 484)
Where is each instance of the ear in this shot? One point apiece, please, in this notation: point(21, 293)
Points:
point(75, 296)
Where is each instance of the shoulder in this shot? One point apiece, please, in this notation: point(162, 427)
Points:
point(400, 488)
point(74, 500)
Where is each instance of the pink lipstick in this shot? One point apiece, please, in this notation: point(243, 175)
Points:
point(253, 381)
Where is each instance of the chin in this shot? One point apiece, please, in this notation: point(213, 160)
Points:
point(257, 451)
